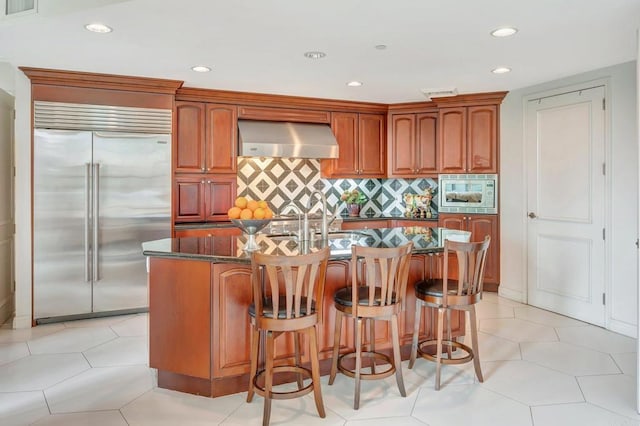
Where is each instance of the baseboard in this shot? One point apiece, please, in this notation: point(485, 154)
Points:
point(516, 295)
point(6, 309)
point(623, 328)
point(22, 321)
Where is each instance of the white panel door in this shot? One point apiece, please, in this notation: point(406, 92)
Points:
point(565, 137)
point(6, 205)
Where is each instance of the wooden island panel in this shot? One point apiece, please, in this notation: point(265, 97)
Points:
point(200, 329)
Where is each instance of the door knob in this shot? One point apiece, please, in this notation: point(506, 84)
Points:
point(532, 215)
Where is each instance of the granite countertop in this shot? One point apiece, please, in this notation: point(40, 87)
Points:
point(206, 225)
point(230, 249)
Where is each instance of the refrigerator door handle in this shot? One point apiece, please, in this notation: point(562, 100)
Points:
point(87, 218)
point(96, 216)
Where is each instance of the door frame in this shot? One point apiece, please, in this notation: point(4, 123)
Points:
point(608, 184)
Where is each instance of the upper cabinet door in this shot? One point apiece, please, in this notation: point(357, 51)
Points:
point(371, 146)
point(345, 128)
point(482, 139)
point(453, 140)
point(190, 137)
point(221, 147)
point(402, 146)
point(426, 152)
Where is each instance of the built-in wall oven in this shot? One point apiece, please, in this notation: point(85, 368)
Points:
point(467, 193)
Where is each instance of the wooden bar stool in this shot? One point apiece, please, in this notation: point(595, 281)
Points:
point(287, 297)
point(378, 285)
point(446, 295)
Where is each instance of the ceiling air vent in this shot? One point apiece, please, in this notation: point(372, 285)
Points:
point(439, 93)
point(17, 7)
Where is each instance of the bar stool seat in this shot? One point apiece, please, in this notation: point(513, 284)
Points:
point(292, 287)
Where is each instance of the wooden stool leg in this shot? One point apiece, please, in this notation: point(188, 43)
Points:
point(315, 370)
point(255, 346)
point(474, 342)
point(449, 333)
point(336, 346)
point(395, 336)
point(358, 342)
point(268, 378)
point(439, 346)
point(372, 342)
point(416, 332)
point(296, 343)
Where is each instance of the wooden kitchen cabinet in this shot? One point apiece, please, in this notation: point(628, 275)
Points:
point(479, 225)
point(468, 139)
point(203, 198)
point(206, 138)
point(413, 148)
point(361, 141)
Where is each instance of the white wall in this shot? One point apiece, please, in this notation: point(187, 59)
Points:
point(22, 188)
point(6, 205)
point(622, 176)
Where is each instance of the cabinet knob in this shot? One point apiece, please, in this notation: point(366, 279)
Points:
point(204, 170)
point(202, 182)
point(532, 215)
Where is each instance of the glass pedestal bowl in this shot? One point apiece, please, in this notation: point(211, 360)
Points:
point(251, 227)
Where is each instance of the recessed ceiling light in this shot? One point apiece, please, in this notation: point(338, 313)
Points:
point(504, 31)
point(501, 70)
point(201, 68)
point(98, 28)
point(354, 83)
point(314, 55)
point(381, 46)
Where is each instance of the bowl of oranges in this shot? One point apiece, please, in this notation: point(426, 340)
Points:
point(250, 216)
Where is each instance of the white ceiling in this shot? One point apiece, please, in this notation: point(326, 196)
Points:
point(258, 45)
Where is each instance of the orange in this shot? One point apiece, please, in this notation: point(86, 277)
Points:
point(263, 204)
point(259, 213)
point(252, 205)
point(246, 214)
point(234, 212)
point(241, 202)
point(268, 214)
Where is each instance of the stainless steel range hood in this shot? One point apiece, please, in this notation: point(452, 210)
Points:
point(285, 139)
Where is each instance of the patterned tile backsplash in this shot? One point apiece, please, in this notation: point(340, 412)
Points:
point(285, 182)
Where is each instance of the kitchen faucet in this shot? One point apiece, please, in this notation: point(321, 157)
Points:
point(325, 225)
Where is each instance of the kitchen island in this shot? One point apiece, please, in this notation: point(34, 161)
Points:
point(200, 290)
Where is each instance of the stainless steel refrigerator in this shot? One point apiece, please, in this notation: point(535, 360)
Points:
point(96, 197)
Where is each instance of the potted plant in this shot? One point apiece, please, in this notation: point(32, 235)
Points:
point(354, 200)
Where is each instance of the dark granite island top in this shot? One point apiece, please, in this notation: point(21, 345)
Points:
point(200, 291)
point(230, 249)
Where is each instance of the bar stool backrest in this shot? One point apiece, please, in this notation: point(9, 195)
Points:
point(383, 271)
point(288, 287)
point(471, 257)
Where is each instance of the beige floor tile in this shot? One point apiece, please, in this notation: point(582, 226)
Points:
point(38, 372)
point(12, 351)
point(570, 359)
point(578, 414)
point(71, 340)
point(462, 405)
point(120, 351)
point(597, 339)
point(22, 408)
point(518, 330)
point(615, 393)
point(96, 418)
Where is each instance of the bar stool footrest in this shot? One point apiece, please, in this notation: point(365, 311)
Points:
point(284, 369)
point(367, 376)
point(452, 343)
